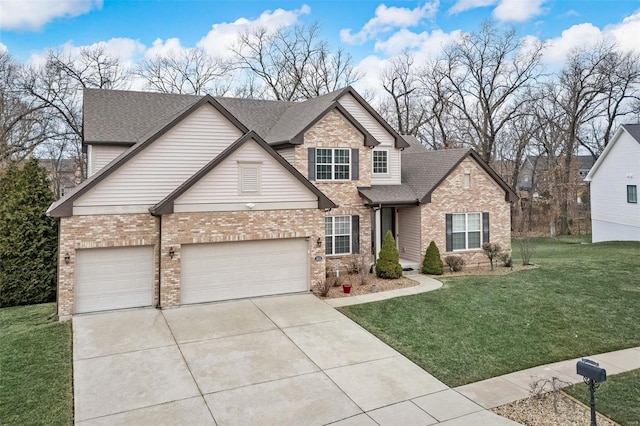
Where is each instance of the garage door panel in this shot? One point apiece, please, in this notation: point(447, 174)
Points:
point(114, 278)
point(223, 271)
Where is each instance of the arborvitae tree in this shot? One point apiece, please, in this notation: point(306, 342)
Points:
point(388, 264)
point(432, 263)
point(28, 238)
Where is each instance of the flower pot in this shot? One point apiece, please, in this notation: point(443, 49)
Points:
point(346, 288)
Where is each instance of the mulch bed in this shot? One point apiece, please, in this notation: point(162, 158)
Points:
point(359, 289)
point(540, 411)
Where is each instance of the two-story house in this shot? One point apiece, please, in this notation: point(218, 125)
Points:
point(195, 199)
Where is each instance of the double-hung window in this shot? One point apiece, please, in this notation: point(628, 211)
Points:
point(333, 164)
point(337, 230)
point(380, 162)
point(632, 194)
point(466, 231)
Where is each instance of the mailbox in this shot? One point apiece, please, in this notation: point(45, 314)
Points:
point(591, 370)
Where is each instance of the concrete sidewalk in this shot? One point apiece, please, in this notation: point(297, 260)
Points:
point(511, 387)
point(425, 284)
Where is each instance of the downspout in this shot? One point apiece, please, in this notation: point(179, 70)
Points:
point(158, 306)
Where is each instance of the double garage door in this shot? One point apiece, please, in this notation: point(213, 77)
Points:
point(118, 278)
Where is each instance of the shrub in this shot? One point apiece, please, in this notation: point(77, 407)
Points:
point(325, 286)
point(491, 250)
point(506, 260)
point(432, 263)
point(454, 262)
point(28, 238)
point(527, 250)
point(388, 264)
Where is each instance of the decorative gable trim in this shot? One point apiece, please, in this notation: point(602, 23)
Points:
point(510, 194)
point(399, 140)
point(369, 140)
point(64, 206)
point(166, 206)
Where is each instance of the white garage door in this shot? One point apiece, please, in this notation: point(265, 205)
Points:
point(222, 271)
point(114, 278)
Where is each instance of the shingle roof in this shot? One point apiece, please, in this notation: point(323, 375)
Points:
point(633, 130)
point(389, 194)
point(423, 171)
point(125, 117)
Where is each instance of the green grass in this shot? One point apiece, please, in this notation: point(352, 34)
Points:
point(35, 366)
point(618, 398)
point(582, 299)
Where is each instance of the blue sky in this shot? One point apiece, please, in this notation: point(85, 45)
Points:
point(372, 31)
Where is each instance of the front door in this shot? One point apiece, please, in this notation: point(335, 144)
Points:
point(387, 222)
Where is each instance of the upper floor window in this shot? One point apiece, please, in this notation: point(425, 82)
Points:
point(380, 162)
point(333, 164)
point(632, 194)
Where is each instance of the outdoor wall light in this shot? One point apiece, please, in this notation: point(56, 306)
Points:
point(171, 252)
point(67, 258)
point(319, 242)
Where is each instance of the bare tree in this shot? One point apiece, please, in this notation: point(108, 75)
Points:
point(191, 71)
point(293, 63)
point(407, 107)
point(23, 121)
point(485, 72)
point(57, 88)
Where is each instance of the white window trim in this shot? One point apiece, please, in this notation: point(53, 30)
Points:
point(333, 235)
point(373, 163)
point(466, 184)
point(244, 165)
point(333, 164)
point(466, 232)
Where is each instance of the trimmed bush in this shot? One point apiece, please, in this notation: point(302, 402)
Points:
point(454, 262)
point(28, 238)
point(388, 264)
point(432, 263)
point(492, 250)
point(505, 258)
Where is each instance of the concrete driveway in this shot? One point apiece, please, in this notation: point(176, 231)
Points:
point(277, 360)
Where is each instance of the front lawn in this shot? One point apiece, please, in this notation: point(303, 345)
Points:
point(35, 366)
point(582, 299)
point(618, 398)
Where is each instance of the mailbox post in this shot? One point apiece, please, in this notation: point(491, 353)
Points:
point(592, 375)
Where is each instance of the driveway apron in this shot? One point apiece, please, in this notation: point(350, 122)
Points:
point(266, 361)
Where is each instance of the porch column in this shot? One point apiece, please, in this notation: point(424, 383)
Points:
point(378, 230)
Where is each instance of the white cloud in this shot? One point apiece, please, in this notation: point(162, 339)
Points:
point(221, 36)
point(31, 15)
point(3, 48)
point(626, 33)
point(388, 18)
point(424, 43)
point(518, 10)
point(463, 5)
point(162, 48)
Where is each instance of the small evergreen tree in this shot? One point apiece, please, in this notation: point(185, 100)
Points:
point(28, 238)
point(388, 264)
point(432, 263)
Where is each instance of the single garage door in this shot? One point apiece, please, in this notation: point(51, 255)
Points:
point(114, 278)
point(222, 271)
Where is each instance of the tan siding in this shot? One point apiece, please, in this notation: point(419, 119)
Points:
point(222, 185)
point(409, 233)
point(621, 167)
point(102, 155)
point(166, 163)
point(288, 154)
point(381, 135)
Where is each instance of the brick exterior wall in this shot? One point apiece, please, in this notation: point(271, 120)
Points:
point(212, 227)
point(99, 231)
point(334, 131)
point(484, 195)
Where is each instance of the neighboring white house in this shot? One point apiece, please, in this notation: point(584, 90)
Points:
point(615, 177)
